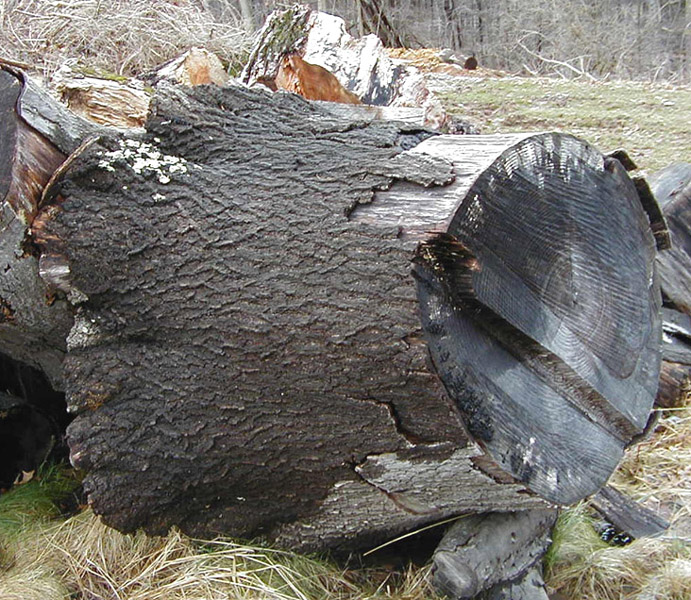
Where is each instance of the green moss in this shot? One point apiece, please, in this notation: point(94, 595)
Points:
point(37, 500)
point(100, 74)
point(284, 33)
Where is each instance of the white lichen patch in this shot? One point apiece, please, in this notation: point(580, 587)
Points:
point(143, 158)
point(84, 333)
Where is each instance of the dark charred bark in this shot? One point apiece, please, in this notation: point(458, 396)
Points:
point(247, 359)
point(247, 355)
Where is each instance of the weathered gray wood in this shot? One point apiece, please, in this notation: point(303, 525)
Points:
point(361, 65)
point(480, 552)
point(676, 349)
point(676, 324)
point(366, 113)
point(65, 129)
point(284, 31)
point(627, 515)
point(33, 321)
point(676, 357)
point(528, 270)
point(397, 492)
point(529, 587)
point(672, 188)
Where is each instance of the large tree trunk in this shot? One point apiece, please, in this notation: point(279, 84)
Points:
point(258, 287)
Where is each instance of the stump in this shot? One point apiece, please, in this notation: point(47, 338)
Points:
point(288, 326)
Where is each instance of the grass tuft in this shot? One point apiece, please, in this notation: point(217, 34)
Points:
point(657, 473)
point(38, 500)
point(83, 558)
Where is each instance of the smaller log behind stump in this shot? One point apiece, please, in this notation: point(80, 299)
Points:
point(34, 321)
point(672, 188)
point(483, 551)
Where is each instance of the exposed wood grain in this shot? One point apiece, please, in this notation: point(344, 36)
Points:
point(52, 120)
point(546, 274)
point(33, 323)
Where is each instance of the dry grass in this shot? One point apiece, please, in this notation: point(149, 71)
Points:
point(82, 558)
point(650, 121)
point(657, 472)
point(130, 36)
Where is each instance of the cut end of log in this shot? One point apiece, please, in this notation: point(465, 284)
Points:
point(532, 311)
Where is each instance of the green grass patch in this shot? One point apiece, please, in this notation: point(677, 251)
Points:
point(37, 500)
point(650, 121)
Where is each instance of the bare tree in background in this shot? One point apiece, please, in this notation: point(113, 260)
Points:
point(627, 39)
point(247, 12)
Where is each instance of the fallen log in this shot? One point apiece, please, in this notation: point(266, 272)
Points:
point(490, 554)
point(248, 355)
point(626, 515)
point(361, 65)
point(34, 323)
point(675, 371)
